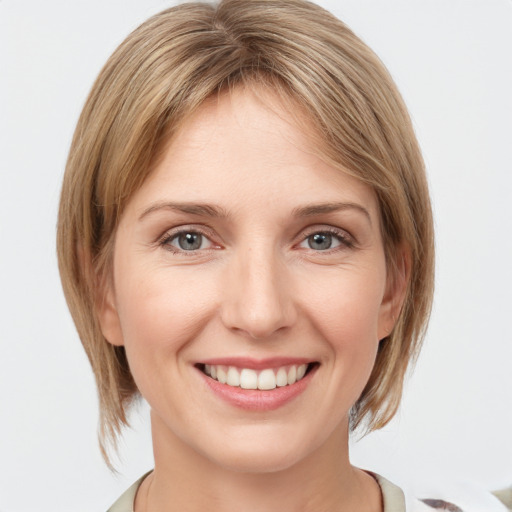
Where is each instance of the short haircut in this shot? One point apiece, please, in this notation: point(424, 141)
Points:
point(159, 76)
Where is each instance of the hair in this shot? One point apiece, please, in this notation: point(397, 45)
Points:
point(159, 76)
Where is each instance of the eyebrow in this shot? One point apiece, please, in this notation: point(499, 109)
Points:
point(210, 210)
point(203, 209)
point(323, 208)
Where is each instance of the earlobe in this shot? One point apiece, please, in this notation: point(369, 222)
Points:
point(396, 289)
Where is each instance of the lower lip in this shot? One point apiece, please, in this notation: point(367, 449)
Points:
point(258, 400)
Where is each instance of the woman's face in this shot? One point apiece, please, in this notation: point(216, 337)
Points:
point(242, 262)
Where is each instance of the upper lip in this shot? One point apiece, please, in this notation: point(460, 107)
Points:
point(256, 364)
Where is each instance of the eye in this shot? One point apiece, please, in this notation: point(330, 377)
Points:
point(321, 241)
point(188, 241)
point(326, 240)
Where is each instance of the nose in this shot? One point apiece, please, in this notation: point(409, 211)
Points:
point(258, 298)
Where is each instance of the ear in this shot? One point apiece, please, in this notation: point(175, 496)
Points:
point(396, 287)
point(107, 313)
point(104, 297)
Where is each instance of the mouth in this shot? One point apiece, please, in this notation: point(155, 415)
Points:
point(263, 379)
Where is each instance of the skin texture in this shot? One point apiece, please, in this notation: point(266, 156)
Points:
point(254, 288)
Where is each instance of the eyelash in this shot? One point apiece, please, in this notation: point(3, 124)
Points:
point(345, 240)
point(168, 237)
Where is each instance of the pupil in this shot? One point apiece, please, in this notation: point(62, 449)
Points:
point(320, 241)
point(190, 241)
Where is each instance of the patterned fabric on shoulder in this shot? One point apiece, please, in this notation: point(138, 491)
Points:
point(442, 505)
point(458, 497)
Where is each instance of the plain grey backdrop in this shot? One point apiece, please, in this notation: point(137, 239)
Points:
point(452, 62)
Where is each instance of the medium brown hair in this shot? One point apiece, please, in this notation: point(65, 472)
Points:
point(165, 70)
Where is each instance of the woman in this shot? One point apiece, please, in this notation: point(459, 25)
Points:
point(245, 239)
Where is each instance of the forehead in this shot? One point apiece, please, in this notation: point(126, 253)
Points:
point(245, 148)
point(243, 123)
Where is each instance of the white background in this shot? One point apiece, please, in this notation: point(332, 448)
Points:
point(452, 62)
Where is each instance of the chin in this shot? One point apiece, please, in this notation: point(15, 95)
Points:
point(263, 453)
point(257, 461)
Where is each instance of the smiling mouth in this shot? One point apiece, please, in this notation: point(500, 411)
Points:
point(265, 379)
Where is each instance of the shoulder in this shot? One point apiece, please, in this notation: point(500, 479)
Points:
point(453, 497)
point(127, 499)
point(461, 497)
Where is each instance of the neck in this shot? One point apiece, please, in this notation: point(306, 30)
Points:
point(324, 481)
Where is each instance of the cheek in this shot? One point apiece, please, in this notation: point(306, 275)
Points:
point(346, 314)
point(347, 307)
point(160, 312)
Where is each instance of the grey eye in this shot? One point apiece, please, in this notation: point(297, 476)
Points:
point(320, 241)
point(189, 241)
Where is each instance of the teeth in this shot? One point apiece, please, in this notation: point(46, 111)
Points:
point(301, 371)
point(281, 378)
point(292, 375)
point(248, 379)
point(233, 378)
point(266, 379)
point(221, 375)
